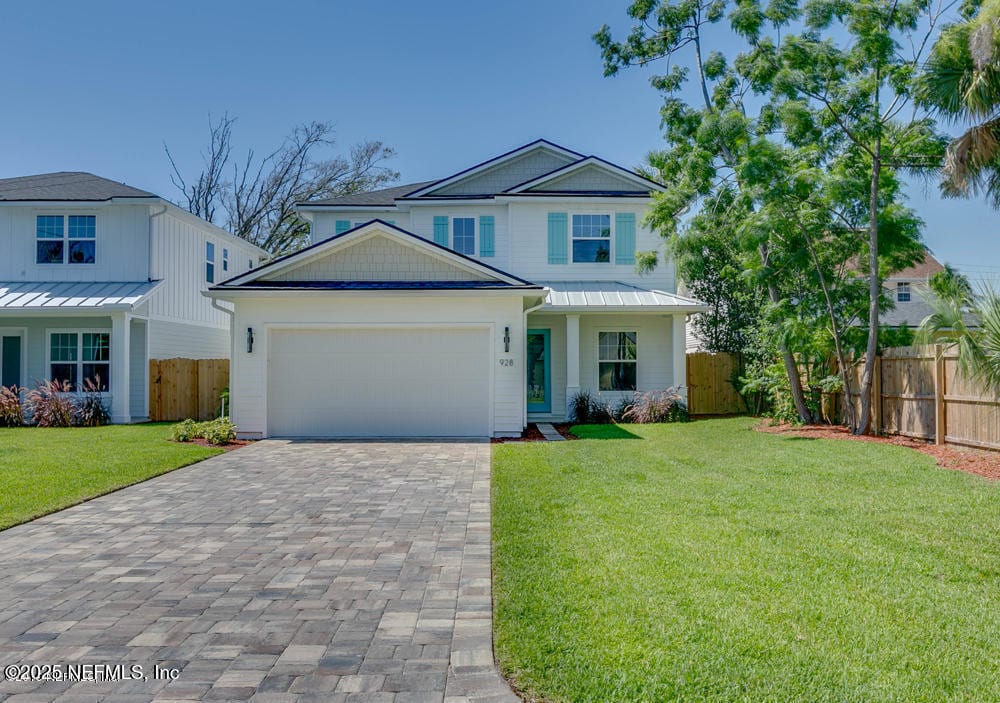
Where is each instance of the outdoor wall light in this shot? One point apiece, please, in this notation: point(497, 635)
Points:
point(506, 339)
point(249, 340)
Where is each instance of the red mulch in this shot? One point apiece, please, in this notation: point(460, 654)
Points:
point(229, 446)
point(980, 462)
point(533, 434)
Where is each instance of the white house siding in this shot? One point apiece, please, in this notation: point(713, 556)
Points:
point(178, 242)
point(510, 173)
point(303, 311)
point(171, 340)
point(529, 248)
point(324, 224)
point(121, 251)
point(377, 258)
point(911, 313)
point(655, 358)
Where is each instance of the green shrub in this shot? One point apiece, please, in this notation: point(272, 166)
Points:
point(184, 431)
point(217, 432)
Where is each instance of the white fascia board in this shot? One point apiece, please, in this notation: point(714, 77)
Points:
point(261, 293)
point(80, 204)
point(629, 309)
point(65, 311)
point(601, 199)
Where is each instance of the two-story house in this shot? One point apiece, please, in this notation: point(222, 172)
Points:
point(98, 277)
point(908, 290)
point(466, 306)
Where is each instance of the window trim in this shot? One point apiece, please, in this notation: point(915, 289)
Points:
point(903, 288)
point(610, 239)
point(66, 239)
point(475, 233)
point(79, 332)
point(599, 360)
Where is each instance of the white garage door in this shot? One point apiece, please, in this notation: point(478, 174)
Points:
point(416, 382)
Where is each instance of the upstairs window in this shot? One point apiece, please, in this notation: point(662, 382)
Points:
point(616, 366)
point(225, 259)
point(464, 235)
point(210, 262)
point(902, 292)
point(591, 239)
point(62, 239)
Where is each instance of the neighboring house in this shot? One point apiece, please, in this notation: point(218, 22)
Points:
point(466, 306)
point(908, 289)
point(98, 277)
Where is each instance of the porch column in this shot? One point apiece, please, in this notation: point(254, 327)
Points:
point(679, 351)
point(572, 359)
point(120, 373)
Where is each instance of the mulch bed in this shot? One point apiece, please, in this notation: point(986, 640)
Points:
point(980, 462)
point(532, 434)
point(229, 446)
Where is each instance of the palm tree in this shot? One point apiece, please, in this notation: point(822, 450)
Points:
point(973, 324)
point(962, 84)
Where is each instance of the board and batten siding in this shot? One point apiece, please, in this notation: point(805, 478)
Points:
point(250, 370)
point(176, 340)
point(179, 261)
point(655, 358)
point(529, 255)
point(121, 244)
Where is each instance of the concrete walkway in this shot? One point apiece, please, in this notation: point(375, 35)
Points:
point(284, 571)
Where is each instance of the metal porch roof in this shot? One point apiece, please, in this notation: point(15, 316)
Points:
point(34, 296)
point(614, 295)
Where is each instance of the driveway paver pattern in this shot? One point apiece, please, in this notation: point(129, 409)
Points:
point(283, 572)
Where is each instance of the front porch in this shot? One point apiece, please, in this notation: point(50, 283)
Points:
point(608, 338)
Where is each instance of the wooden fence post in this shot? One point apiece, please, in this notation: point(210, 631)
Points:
point(940, 418)
point(877, 396)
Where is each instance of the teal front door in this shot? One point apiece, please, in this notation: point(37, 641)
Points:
point(10, 360)
point(539, 372)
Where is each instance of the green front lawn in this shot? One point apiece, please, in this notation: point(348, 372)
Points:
point(46, 469)
point(709, 562)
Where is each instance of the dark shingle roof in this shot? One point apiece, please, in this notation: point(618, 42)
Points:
point(67, 185)
point(386, 196)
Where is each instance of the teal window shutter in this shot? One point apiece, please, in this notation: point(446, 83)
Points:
point(441, 230)
point(486, 227)
point(558, 238)
point(625, 238)
point(342, 226)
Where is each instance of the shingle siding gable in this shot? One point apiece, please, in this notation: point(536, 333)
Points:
point(507, 174)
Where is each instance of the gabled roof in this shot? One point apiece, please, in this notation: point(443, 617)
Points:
point(66, 186)
point(548, 183)
point(921, 270)
point(262, 277)
point(375, 198)
point(538, 144)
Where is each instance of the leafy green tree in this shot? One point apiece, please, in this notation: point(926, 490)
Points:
point(789, 134)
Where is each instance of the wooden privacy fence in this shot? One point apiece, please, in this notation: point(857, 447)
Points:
point(710, 384)
point(183, 388)
point(919, 392)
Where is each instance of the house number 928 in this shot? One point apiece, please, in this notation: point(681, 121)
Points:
point(506, 362)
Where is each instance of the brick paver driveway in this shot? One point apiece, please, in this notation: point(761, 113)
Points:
point(284, 571)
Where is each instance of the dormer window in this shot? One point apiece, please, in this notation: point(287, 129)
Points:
point(902, 292)
point(591, 239)
point(65, 239)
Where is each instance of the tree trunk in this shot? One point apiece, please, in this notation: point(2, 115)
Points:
point(874, 291)
point(791, 368)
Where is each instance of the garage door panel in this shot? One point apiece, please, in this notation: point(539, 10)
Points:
point(372, 382)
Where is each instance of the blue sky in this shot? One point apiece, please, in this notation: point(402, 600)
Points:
point(101, 86)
